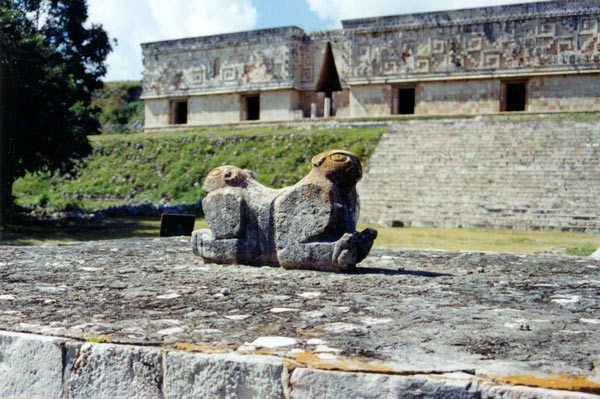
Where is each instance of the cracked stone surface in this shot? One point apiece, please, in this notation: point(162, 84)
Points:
point(411, 312)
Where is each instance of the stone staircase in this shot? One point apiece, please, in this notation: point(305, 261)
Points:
point(495, 172)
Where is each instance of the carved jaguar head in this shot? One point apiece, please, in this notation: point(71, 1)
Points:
point(227, 175)
point(339, 166)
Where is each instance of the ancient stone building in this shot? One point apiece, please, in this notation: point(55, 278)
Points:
point(535, 57)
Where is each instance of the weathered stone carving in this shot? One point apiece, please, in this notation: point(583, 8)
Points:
point(550, 36)
point(310, 225)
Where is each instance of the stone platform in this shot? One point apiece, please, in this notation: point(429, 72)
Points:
point(147, 318)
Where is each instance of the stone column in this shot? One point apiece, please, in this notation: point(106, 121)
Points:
point(327, 107)
point(313, 110)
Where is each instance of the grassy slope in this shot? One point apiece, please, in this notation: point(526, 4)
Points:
point(172, 165)
point(122, 111)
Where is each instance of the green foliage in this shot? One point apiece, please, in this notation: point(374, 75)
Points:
point(583, 250)
point(173, 165)
point(42, 200)
point(47, 74)
point(122, 109)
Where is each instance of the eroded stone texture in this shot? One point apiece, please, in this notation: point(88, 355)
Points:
point(316, 384)
point(496, 317)
point(310, 225)
point(30, 365)
point(116, 370)
point(223, 375)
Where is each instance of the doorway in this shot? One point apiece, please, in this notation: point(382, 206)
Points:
point(252, 108)
point(515, 96)
point(180, 112)
point(406, 100)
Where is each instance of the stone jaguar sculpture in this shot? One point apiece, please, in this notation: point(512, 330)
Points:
point(310, 225)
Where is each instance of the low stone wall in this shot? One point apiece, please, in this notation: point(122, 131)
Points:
point(428, 324)
point(36, 366)
point(511, 172)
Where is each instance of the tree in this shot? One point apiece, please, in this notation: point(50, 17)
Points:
point(47, 76)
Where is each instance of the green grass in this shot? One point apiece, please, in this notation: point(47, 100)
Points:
point(585, 249)
point(399, 238)
point(172, 165)
point(513, 241)
point(36, 233)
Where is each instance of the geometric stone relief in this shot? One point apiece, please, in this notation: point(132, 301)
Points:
point(198, 74)
point(473, 43)
point(546, 29)
point(491, 60)
point(422, 64)
point(538, 43)
point(547, 43)
point(589, 26)
point(229, 74)
point(307, 74)
point(565, 45)
point(438, 46)
point(389, 67)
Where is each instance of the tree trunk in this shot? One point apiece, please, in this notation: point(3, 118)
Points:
point(5, 125)
point(3, 185)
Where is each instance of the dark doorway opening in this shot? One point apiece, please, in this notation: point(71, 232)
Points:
point(329, 80)
point(180, 113)
point(406, 100)
point(516, 94)
point(253, 108)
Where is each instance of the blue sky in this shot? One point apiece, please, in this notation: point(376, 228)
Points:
point(132, 22)
point(272, 14)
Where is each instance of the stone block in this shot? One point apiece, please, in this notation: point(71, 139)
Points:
point(492, 391)
point(116, 370)
point(223, 376)
point(314, 384)
point(30, 365)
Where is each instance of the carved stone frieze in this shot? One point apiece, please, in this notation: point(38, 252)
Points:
point(547, 37)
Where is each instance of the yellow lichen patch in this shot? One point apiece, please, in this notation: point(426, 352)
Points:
point(266, 352)
point(564, 382)
point(341, 364)
point(202, 348)
point(100, 340)
point(290, 364)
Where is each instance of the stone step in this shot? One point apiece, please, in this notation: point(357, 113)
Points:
point(468, 166)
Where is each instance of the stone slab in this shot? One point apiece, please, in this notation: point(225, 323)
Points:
point(30, 365)
point(507, 319)
point(225, 375)
point(325, 384)
point(116, 370)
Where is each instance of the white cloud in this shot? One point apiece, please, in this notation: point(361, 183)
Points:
point(133, 22)
point(337, 10)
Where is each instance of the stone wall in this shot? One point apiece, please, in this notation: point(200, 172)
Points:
point(458, 97)
point(458, 62)
point(565, 94)
point(544, 37)
point(501, 172)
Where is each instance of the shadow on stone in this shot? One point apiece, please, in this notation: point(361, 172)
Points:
point(377, 270)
